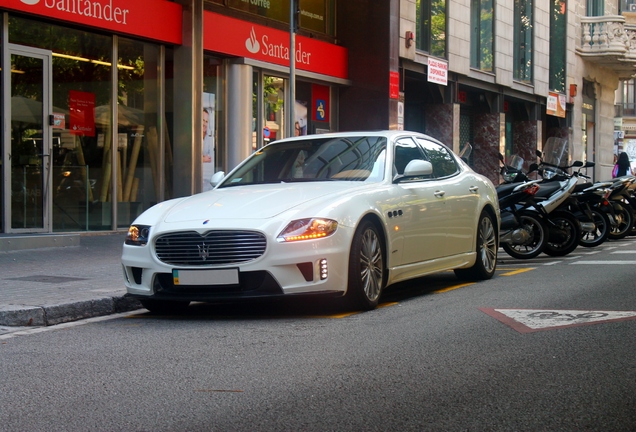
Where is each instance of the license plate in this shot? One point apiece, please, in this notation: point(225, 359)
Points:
point(206, 277)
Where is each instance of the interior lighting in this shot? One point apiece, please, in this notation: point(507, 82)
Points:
point(84, 59)
point(71, 57)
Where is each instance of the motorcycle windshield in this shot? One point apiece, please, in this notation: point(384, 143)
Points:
point(515, 162)
point(556, 152)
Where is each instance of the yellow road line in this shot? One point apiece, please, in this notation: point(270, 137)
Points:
point(454, 287)
point(518, 271)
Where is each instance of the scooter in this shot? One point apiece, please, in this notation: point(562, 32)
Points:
point(623, 203)
point(564, 229)
point(523, 231)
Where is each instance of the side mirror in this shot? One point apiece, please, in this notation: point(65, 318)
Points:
point(418, 168)
point(501, 158)
point(415, 168)
point(533, 167)
point(538, 153)
point(577, 164)
point(216, 178)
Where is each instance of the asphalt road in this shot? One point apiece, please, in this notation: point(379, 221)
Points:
point(547, 345)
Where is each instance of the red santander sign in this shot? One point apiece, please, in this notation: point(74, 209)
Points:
point(159, 20)
point(244, 39)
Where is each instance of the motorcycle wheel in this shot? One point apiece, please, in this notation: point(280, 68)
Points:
point(599, 235)
point(538, 232)
point(624, 222)
point(563, 235)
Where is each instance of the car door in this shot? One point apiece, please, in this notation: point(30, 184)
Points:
point(422, 210)
point(461, 195)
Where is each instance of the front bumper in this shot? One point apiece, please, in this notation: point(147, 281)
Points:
point(284, 269)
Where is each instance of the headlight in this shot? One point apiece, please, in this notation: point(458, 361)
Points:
point(547, 174)
point(308, 229)
point(509, 177)
point(138, 235)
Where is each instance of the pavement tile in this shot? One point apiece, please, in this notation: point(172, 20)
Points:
point(50, 286)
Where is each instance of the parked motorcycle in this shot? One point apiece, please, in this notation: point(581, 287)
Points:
point(564, 229)
point(592, 201)
point(623, 202)
point(523, 231)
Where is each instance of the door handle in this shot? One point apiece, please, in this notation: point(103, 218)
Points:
point(439, 194)
point(474, 189)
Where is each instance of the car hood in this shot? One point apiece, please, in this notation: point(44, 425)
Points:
point(253, 202)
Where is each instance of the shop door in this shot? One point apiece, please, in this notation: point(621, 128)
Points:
point(28, 140)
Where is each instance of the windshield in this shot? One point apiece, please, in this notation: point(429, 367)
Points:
point(358, 158)
point(556, 152)
point(515, 162)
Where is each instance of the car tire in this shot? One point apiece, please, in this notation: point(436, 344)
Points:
point(486, 250)
point(165, 306)
point(367, 273)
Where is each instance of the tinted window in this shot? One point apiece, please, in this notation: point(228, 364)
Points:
point(405, 151)
point(344, 159)
point(443, 162)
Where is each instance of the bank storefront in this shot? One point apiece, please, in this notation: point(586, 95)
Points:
point(247, 73)
point(111, 106)
point(86, 112)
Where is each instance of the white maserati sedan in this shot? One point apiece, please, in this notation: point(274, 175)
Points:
point(346, 214)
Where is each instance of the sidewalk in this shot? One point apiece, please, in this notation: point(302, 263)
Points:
point(41, 287)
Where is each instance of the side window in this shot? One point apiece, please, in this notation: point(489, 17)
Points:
point(444, 164)
point(405, 151)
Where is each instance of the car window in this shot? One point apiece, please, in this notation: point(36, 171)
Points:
point(444, 164)
point(405, 151)
point(358, 158)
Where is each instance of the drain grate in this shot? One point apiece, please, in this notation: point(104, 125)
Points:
point(47, 279)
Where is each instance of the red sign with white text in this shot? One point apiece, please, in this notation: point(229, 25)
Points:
point(244, 39)
point(82, 113)
point(394, 85)
point(153, 19)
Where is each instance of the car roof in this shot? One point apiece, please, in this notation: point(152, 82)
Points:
point(390, 134)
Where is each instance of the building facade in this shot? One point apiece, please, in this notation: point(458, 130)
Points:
point(111, 106)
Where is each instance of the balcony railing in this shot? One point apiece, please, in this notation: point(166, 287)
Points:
point(609, 41)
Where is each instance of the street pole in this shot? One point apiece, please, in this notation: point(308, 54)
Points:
point(292, 68)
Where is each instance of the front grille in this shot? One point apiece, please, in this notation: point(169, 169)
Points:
point(213, 248)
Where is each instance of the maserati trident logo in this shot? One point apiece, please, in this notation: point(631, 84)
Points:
point(30, 2)
point(204, 251)
point(251, 43)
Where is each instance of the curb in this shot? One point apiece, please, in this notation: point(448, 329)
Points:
point(29, 316)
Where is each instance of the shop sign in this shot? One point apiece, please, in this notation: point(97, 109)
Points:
point(153, 19)
point(245, 39)
point(555, 105)
point(320, 102)
point(437, 71)
point(394, 85)
point(82, 113)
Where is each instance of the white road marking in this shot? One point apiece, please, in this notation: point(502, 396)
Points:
point(605, 262)
point(532, 320)
point(541, 318)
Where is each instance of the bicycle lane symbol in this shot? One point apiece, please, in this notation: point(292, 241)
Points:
point(533, 320)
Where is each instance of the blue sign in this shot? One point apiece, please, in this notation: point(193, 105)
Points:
point(320, 109)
